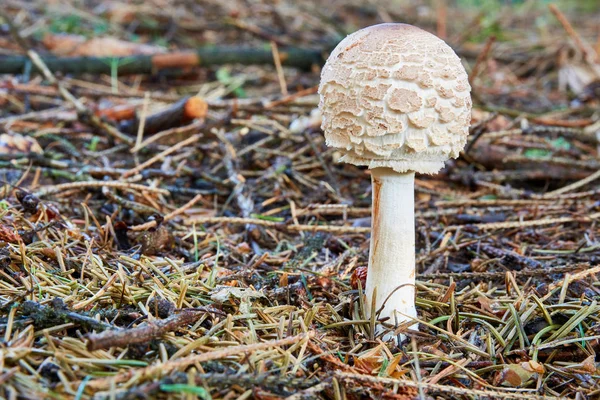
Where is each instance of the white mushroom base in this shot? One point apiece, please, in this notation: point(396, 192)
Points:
point(392, 255)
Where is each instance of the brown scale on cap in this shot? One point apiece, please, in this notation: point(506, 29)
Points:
point(393, 95)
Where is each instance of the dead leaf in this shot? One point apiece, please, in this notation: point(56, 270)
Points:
point(283, 280)
point(222, 294)
point(47, 212)
point(13, 143)
point(533, 366)
point(372, 361)
point(393, 370)
point(304, 123)
point(575, 76)
point(359, 274)
point(589, 364)
point(243, 248)
point(8, 235)
point(517, 375)
point(155, 241)
point(79, 46)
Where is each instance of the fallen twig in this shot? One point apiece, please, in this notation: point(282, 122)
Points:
point(176, 115)
point(588, 51)
point(150, 64)
point(573, 186)
point(495, 393)
point(58, 311)
point(169, 216)
point(45, 191)
point(524, 224)
point(146, 332)
point(278, 225)
point(481, 58)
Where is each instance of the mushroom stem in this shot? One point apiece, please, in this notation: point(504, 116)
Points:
point(392, 256)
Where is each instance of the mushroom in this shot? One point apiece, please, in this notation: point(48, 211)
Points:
point(396, 99)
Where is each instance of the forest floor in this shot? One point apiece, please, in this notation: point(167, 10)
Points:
point(176, 227)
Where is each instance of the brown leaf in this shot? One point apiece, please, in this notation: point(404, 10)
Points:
point(589, 364)
point(8, 235)
point(155, 241)
point(575, 76)
point(283, 280)
point(13, 143)
point(394, 370)
point(48, 212)
point(534, 366)
point(359, 274)
point(79, 46)
point(243, 248)
point(515, 375)
point(373, 360)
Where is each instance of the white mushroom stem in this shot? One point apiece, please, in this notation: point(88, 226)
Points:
point(392, 256)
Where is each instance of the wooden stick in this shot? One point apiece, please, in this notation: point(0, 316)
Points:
point(278, 225)
point(442, 16)
point(573, 186)
point(44, 191)
point(178, 114)
point(146, 332)
point(496, 393)
point(587, 50)
point(292, 97)
point(118, 113)
point(527, 224)
point(280, 75)
point(481, 58)
point(169, 216)
point(150, 64)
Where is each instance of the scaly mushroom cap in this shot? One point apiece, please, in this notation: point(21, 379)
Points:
point(393, 95)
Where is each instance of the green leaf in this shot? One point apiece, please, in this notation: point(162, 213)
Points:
point(94, 143)
point(384, 365)
point(184, 388)
point(537, 153)
point(66, 24)
point(223, 76)
point(101, 28)
point(267, 218)
point(233, 84)
point(560, 143)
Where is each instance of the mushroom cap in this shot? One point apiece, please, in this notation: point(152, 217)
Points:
point(395, 96)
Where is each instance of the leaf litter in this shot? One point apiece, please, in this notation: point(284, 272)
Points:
point(232, 265)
